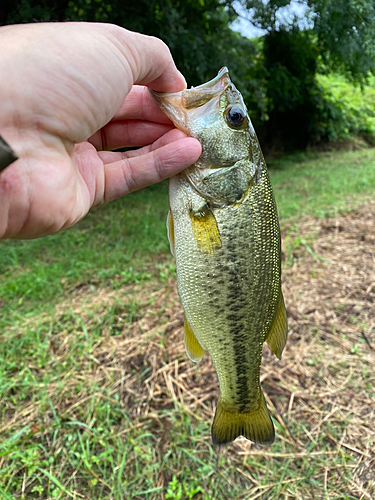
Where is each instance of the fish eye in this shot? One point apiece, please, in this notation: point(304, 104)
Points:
point(235, 116)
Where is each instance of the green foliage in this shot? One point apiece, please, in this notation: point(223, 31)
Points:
point(349, 110)
point(345, 31)
point(183, 491)
point(341, 38)
point(264, 14)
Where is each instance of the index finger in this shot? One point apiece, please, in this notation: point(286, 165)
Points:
point(150, 61)
point(140, 105)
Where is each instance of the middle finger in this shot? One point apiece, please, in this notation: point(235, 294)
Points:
point(129, 133)
point(170, 136)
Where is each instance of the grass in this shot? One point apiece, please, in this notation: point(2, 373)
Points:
point(98, 400)
point(322, 184)
point(108, 247)
point(114, 245)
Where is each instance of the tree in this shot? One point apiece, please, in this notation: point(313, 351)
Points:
point(294, 98)
point(344, 30)
point(276, 74)
point(339, 36)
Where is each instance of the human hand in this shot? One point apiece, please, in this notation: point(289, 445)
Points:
point(63, 105)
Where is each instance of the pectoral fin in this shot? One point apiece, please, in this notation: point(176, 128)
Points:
point(276, 338)
point(193, 348)
point(205, 230)
point(229, 424)
point(170, 232)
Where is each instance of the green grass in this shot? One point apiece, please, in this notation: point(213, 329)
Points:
point(78, 436)
point(322, 184)
point(66, 430)
point(115, 245)
point(108, 247)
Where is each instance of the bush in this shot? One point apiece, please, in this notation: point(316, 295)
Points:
point(347, 110)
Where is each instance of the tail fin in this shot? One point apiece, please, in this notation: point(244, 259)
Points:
point(256, 425)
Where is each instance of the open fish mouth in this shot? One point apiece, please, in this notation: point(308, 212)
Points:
point(176, 104)
point(197, 96)
point(222, 72)
point(202, 112)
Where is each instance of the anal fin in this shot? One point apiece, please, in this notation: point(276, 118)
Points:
point(193, 348)
point(277, 335)
point(256, 425)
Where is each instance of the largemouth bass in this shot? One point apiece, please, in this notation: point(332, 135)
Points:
point(224, 233)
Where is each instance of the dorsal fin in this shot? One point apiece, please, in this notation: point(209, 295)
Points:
point(277, 335)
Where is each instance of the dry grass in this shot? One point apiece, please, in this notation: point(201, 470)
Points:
point(321, 394)
point(329, 374)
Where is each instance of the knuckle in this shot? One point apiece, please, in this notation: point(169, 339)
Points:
point(161, 47)
point(159, 166)
point(129, 176)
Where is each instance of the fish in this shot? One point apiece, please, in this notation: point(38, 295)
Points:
point(224, 233)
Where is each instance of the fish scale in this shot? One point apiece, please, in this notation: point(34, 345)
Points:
point(225, 236)
point(230, 313)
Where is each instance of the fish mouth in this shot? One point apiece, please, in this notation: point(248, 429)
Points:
point(213, 86)
point(212, 83)
point(198, 96)
point(176, 104)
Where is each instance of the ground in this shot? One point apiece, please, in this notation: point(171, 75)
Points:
point(321, 394)
point(99, 400)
